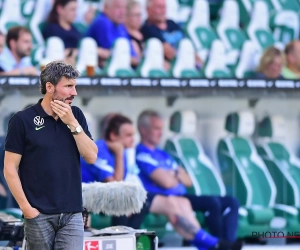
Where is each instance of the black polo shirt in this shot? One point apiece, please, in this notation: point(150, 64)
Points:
point(50, 165)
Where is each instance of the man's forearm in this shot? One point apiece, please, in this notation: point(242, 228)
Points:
point(86, 147)
point(119, 167)
point(13, 181)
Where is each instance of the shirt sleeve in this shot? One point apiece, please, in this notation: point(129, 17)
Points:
point(150, 31)
point(82, 121)
point(146, 163)
point(99, 31)
point(104, 165)
point(15, 139)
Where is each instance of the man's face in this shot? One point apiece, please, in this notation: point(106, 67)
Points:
point(68, 12)
point(295, 55)
point(116, 11)
point(126, 135)
point(23, 45)
point(65, 90)
point(157, 10)
point(2, 42)
point(153, 132)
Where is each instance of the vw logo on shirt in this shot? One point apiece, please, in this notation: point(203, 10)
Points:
point(38, 121)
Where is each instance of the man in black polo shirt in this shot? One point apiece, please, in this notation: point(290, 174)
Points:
point(44, 143)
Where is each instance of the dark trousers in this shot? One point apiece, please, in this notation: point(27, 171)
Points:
point(135, 220)
point(221, 214)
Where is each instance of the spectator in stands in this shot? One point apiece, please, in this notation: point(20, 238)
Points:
point(292, 56)
point(271, 64)
point(60, 24)
point(133, 24)
point(167, 31)
point(160, 174)
point(109, 26)
point(111, 165)
point(2, 41)
point(14, 59)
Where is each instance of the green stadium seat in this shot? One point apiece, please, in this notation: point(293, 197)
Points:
point(282, 164)
point(11, 15)
point(87, 55)
point(258, 29)
point(216, 65)
point(206, 178)
point(36, 21)
point(293, 5)
point(199, 30)
point(245, 174)
point(119, 63)
point(286, 25)
point(246, 65)
point(55, 49)
point(152, 65)
point(37, 54)
point(229, 32)
point(184, 64)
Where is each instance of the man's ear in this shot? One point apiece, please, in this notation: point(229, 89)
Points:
point(113, 136)
point(49, 87)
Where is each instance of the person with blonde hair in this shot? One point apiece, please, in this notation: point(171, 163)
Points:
point(133, 24)
point(271, 64)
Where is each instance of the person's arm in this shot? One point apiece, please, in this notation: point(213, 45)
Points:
point(118, 151)
point(30, 70)
point(164, 178)
point(169, 51)
point(150, 167)
point(11, 167)
point(86, 147)
point(183, 177)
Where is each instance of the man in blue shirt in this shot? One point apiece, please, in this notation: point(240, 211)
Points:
point(111, 165)
point(167, 31)
point(160, 174)
point(109, 26)
point(14, 59)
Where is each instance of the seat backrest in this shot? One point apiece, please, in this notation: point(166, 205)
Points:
point(246, 65)
point(216, 64)
point(172, 10)
point(119, 63)
point(55, 49)
point(198, 27)
point(11, 15)
point(87, 55)
point(286, 5)
point(258, 30)
point(282, 163)
point(189, 153)
point(185, 59)
point(39, 15)
point(286, 26)
point(153, 62)
point(244, 173)
point(228, 27)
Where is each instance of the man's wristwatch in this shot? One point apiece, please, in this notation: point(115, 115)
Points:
point(77, 131)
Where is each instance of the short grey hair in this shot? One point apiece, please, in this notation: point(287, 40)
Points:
point(145, 117)
point(54, 71)
point(109, 2)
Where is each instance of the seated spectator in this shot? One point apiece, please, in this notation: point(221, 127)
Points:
point(292, 56)
point(109, 26)
point(160, 174)
point(270, 65)
point(133, 24)
point(167, 31)
point(15, 58)
point(2, 41)
point(60, 24)
point(111, 165)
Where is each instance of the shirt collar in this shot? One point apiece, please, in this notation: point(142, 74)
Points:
point(38, 107)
